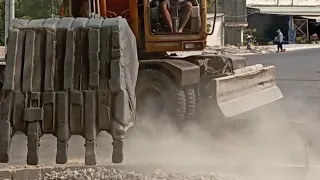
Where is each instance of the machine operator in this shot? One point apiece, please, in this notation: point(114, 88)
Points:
point(185, 6)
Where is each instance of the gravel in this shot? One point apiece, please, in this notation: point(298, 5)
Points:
point(116, 174)
point(229, 49)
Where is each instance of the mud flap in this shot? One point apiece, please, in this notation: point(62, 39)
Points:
point(247, 89)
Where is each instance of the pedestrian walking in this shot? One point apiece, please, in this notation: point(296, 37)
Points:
point(279, 40)
point(249, 40)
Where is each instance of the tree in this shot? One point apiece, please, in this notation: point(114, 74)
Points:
point(35, 8)
point(211, 4)
point(27, 9)
point(2, 21)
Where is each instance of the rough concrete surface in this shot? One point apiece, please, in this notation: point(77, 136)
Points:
point(106, 173)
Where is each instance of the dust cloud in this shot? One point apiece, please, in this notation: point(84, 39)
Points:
point(272, 142)
point(265, 144)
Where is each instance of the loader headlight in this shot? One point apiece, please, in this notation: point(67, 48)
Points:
point(189, 46)
point(193, 45)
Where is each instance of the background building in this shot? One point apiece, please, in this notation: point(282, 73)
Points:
point(217, 38)
point(296, 19)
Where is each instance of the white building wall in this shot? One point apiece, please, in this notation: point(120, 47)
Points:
point(262, 2)
point(305, 2)
point(283, 2)
point(216, 39)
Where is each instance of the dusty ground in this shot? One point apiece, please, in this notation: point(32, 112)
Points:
point(230, 49)
point(246, 150)
point(242, 50)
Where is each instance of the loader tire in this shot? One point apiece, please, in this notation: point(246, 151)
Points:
point(168, 98)
point(191, 99)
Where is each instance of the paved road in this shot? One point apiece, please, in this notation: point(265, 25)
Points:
point(298, 76)
point(299, 79)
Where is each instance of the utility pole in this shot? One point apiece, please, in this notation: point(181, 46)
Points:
point(9, 16)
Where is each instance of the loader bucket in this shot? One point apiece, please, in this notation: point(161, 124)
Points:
point(68, 76)
point(248, 88)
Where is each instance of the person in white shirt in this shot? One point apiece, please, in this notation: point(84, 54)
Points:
point(279, 40)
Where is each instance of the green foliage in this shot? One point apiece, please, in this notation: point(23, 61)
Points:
point(35, 8)
point(302, 40)
point(211, 4)
point(2, 22)
point(250, 33)
point(28, 9)
point(209, 28)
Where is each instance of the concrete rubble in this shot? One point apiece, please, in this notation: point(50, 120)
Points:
point(242, 50)
point(229, 49)
point(115, 174)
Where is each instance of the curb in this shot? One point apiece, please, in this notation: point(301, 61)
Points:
point(247, 54)
point(303, 48)
point(287, 49)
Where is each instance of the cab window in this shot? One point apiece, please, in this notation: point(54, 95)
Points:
point(175, 16)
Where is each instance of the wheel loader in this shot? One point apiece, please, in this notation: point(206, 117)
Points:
point(100, 64)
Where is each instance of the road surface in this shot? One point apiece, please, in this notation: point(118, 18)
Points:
point(272, 137)
point(298, 76)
